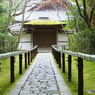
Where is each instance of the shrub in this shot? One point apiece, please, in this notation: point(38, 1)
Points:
point(83, 42)
point(7, 43)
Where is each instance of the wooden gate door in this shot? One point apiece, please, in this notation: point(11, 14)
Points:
point(44, 38)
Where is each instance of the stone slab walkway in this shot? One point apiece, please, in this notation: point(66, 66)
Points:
point(42, 78)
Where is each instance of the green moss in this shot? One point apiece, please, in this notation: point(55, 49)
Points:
point(5, 85)
point(45, 22)
point(89, 76)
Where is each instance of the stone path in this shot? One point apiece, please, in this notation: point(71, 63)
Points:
point(42, 78)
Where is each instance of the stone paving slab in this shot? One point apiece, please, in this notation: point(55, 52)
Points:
point(42, 78)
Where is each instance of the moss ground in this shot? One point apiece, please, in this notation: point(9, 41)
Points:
point(89, 76)
point(5, 85)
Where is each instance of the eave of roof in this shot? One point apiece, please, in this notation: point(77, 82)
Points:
point(45, 22)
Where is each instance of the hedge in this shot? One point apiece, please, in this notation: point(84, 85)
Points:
point(7, 43)
point(82, 42)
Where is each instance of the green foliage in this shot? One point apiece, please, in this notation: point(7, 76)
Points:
point(2, 22)
point(90, 2)
point(74, 19)
point(7, 43)
point(67, 26)
point(2, 10)
point(80, 1)
point(83, 42)
point(3, 16)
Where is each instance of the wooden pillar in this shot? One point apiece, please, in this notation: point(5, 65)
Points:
point(25, 60)
point(31, 56)
point(20, 63)
point(69, 67)
point(28, 58)
point(12, 76)
point(59, 59)
point(80, 76)
point(63, 62)
point(55, 55)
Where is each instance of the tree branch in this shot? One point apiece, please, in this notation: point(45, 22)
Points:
point(92, 11)
point(87, 19)
point(79, 9)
